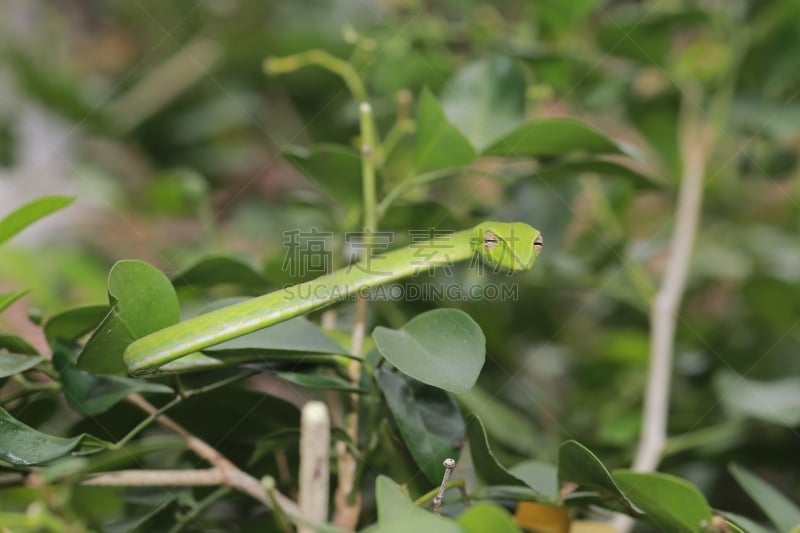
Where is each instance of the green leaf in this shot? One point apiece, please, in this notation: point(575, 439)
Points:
point(502, 423)
point(541, 477)
point(439, 143)
point(142, 301)
point(576, 464)
point(485, 516)
point(219, 269)
point(429, 420)
point(487, 467)
point(336, 169)
point(22, 445)
point(444, 348)
point(775, 401)
point(9, 298)
point(552, 137)
point(600, 167)
point(12, 343)
point(29, 213)
point(783, 514)
point(396, 513)
point(11, 363)
point(485, 100)
point(91, 395)
point(73, 324)
point(319, 381)
point(671, 503)
point(744, 524)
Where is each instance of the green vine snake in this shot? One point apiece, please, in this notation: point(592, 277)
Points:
point(502, 245)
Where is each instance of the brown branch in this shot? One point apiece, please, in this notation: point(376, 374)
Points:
point(231, 475)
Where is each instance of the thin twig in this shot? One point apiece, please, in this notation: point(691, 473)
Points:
point(449, 465)
point(232, 476)
point(152, 478)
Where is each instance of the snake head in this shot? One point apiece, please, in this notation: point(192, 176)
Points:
point(509, 246)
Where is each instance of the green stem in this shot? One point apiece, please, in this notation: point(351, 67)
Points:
point(175, 401)
point(320, 58)
point(201, 506)
point(369, 144)
point(459, 483)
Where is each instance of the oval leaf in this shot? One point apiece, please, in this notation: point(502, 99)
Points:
point(429, 420)
point(439, 143)
point(487, 467)
point(23, 445)
point(29, 213)
point(576, 464)
point(219, 269)
point(74, 323)
point(91, 395)
point(486, 100)
point(444, 348)
point(11, 363)
point(552, 137)
point(396, 513)
point(142, 301)
point(669, 502)
point(485, 516)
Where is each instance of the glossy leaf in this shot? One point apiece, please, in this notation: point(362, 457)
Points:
point(91, 395)
point(336, 169)
point(576, 464)
point(22, 445)
point(219, 269)
point(746, 525)
point(541, 477)
point(670, 503)
point(444, 348)
point(776, 401)
point(485, 516)
point(318, 381)
point(142, 301)
point(429, 420)
point(487, 467)
point(485, 100)
point(29, 213)
point(73, 324)
point(439, 143)
point(502, 423)
point(9, 298)
point(11, 363)
point(552, 137)
point(783, 514)
point(600, 167)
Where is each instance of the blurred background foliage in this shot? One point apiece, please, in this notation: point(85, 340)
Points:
point(159, 118)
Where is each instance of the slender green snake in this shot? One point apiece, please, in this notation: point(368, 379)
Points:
point(502, 245)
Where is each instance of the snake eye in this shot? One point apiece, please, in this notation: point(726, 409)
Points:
point(490, 240)
point(538, 243)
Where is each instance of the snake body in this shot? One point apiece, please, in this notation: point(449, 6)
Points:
point(501, 245)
